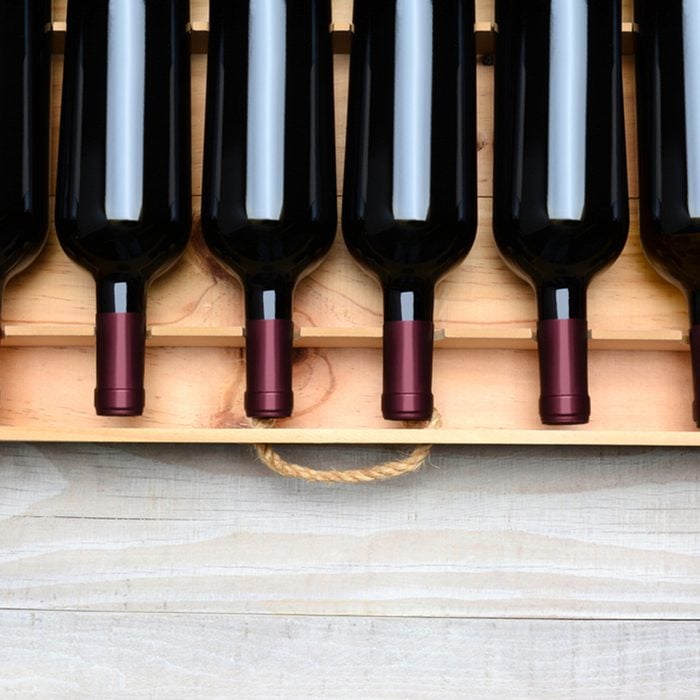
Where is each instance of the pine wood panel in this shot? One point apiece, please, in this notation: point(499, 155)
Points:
point(184, 656)
point(498, 404)
point(500, 532)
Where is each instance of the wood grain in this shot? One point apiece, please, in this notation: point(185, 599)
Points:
point(500, 532)
point(184, 656)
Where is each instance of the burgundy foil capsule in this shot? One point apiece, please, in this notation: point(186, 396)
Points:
point(121, 341)
point(269, 369)
point(408, 370)
point(563, 350)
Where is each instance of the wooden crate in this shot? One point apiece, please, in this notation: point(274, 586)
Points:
point(486, 376)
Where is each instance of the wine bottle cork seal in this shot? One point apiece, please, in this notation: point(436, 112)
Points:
point(379, 472)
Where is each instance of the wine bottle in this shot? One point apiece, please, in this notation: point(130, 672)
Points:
point(560, 209)
point(123, 206)
point(409, 199)
point(668, 104)
point(25, 65)
point(269, 210)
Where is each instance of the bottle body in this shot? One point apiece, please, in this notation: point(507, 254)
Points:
point(668, 98)
point(123, 204)
point(560, 182)
point(25, 64)
point(269, 210)
point(409, 199)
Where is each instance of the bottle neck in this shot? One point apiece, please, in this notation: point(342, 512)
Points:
point(694, 306)
point(121, 295)
point(268, 301)
point(561, 301)
point(409, 300)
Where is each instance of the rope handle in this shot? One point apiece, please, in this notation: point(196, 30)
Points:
point(379, 472)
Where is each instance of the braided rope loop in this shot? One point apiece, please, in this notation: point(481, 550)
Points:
point(379, 472)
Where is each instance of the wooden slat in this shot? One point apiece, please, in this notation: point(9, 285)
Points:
point(640, 340)
point(47, 336)
point(138, 430)
point(178, 656)
point(499, 532)
point(26, 335)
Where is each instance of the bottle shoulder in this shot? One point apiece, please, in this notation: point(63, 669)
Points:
point(143, 247)
point(286, 246)
point(559, 249)
point(424, 249)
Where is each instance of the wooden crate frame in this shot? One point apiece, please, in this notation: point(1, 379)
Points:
point(486, 381)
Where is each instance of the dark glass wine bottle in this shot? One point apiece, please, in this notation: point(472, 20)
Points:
point(25, 64)
point(668, 120)
point(560, 183)
point(409, 200)
point(123, 205)
point(269, 211)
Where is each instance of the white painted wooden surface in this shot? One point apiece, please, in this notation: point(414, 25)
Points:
point(501, 532)
point(161, 571)
point(189, 656)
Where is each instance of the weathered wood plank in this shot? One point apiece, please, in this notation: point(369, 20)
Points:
point(500, 532)
point(184, 656)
